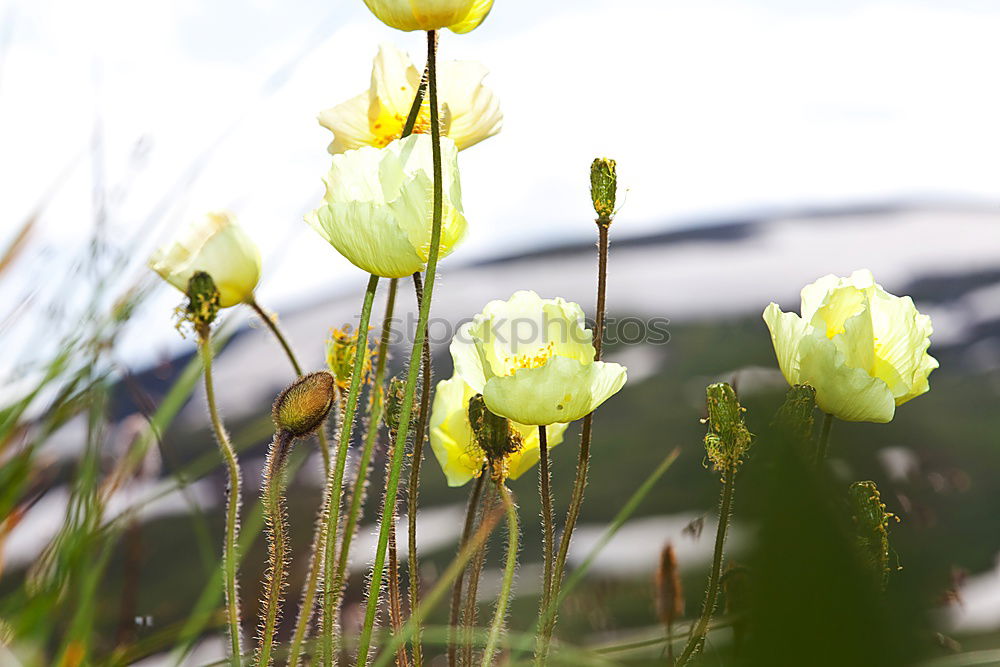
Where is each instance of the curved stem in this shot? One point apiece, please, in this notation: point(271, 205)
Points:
point(335, 477)
point(508, 576)
point(697, 638)
point(392, 481)
point(548, 531)
point(229, 555)
point(277, 542)
point(583, 460)
point(413, 486)
point(456, 593)
point(824, 439)
point(471, 610)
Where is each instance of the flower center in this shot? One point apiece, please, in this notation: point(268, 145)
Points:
point(535, 359)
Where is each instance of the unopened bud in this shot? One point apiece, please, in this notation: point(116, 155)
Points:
point(302, 407)
point(727, 439)
point(603, 186)
point(203, 302)
point(493, 433)
point(669, 592)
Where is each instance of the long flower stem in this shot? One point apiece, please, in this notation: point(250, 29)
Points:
point(470, 612)
point(697, 638)
point(824, 439)
point(277, 547)
point(395, 604)
point(548, 530)
point(358, 491)
point(316, 553)
point(508, 576)
point(583, 460)
point(335, 477)
point(230, 559)
point(392, 482)
point(456, 593)
point(413, 487)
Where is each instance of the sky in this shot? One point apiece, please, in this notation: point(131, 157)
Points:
point(711, 107)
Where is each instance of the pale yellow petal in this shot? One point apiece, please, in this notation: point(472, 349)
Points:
point(451, 434)
point(787, 331)
point(349, 123)
point(477, 14)
point(395, 80)
point(561, 391)
point(523, 460)
point(845, 392)
point(474, 109)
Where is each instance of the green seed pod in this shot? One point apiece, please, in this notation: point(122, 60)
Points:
point(727, 439)
point(203, 303)
point(303, 406)
point(871, 523)
point(493, 433)
point(603, 188)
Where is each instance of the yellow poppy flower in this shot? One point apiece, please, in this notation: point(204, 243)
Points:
point(454, 445)
point(377, 211)
point(862, 349)
point(532, 359)
point(217, 245)
point(459, 16)
point(470, 112)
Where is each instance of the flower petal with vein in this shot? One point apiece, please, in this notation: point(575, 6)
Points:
point(217, 245)
point(863, 350)
point(459, 16)
point(377, 211)
point(470, 111)
point(532, 359)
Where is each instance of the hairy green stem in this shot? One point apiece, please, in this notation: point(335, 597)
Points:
point(230, 559)
point(392, 481)
point(470, 612)
point(456, 593)
point(358, 491)
point(697, 638)
point(277, 541)
point(413, 487)
point(451, 573)
point(508, 575)
point(335, 478)
point(824, 439)
point(583, 460)
point(548, 530)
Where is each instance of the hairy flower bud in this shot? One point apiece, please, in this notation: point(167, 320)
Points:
point(303, 406)
point(727, 439)
point(603, 187)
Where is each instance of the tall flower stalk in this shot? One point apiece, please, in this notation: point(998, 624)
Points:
point(202, 308)
point(510, 566)
point(298, 412)
point(603, 189)
point(335, 477)
point(456, 593)
point(413, 486)
point(548, 520)
point(726, 442)
point(392, 481)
